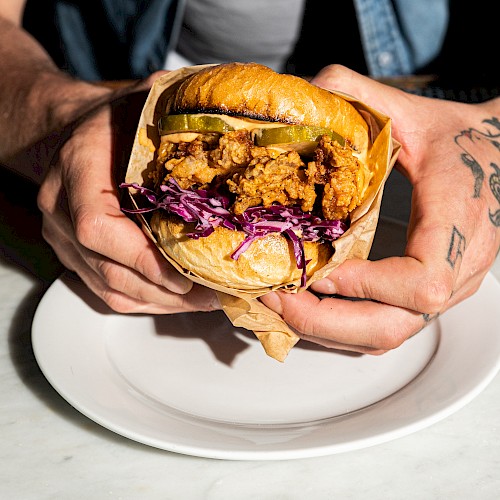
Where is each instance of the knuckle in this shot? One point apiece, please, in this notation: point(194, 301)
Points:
point(432, 294)
point(44, 200)
point(378, 352)
point(113, 275)
point(115, 302)
point(332, 76)
point(392, 335)
point(389, 339)
point(474, 288)
point(303, 323)
point(354, 287)
point(88, 226)
point(142, 264)
point(335, 71)
point(486, 258)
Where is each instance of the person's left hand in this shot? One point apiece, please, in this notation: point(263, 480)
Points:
point(451, 156)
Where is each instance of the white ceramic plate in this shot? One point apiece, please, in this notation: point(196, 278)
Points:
point(193, 384)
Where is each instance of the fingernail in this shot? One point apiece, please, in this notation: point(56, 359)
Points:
point(273, 301)
point(177, 284)
point(325, 286)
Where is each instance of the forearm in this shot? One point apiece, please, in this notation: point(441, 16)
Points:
point(37, 102)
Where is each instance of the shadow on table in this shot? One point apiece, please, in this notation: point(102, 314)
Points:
point(22, 247)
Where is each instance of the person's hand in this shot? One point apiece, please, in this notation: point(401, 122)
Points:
point(84, 224)
point(451, 155)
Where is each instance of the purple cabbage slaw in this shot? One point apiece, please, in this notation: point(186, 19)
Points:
point(209, 209)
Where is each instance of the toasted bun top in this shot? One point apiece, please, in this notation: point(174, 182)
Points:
point(256, 91)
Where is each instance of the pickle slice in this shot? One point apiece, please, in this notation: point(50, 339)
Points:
point(302, 138)
point(172, 124)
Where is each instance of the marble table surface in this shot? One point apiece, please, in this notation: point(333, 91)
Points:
point(51, 451)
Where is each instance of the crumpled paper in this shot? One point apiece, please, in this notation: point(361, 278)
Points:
point(242, 307)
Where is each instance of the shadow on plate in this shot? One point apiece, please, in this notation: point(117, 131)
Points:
point(225, 341)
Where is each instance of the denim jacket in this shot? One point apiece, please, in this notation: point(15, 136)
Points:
point(105, 39)
point(134, 36)
point(400, 36)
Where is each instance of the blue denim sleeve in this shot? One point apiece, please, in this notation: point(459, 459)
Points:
point(400, 36)
point(104, 39)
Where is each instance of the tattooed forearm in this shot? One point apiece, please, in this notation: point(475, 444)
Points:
point(495, 189)
point(490, 138)
point(456, 248)
point(477, 172)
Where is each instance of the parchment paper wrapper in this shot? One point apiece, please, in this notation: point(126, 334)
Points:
point(242, 307)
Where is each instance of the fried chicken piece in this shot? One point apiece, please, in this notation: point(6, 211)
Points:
point(263, 176)
point(233, 152)
point(340, 194)
point(197, 163)
point(336, 169)
point(272, 177)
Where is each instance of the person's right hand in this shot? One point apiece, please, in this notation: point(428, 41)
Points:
point(83, 221)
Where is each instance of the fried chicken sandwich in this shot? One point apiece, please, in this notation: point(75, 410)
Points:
point(255, 176)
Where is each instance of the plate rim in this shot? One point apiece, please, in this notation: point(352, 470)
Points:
point(256, 452)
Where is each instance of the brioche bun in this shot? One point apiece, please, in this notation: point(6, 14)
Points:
point(269, 261)
point(254, 92)
point(257, 92)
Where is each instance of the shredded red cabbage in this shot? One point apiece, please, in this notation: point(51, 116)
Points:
point(209, 209)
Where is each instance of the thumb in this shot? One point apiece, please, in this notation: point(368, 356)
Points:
point(390, 101)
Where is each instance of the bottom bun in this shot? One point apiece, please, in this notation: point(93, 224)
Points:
point(269, 261)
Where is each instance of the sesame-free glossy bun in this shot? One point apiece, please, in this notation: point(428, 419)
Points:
point(256, 91)
point(268, 262)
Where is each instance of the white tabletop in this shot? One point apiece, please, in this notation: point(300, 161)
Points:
point(51, 451)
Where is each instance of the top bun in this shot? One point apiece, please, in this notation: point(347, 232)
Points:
point(255, 91)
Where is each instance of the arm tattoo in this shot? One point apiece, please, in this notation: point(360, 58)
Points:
point(477, 172)
point(492, 136)
point(495, 189)
point(456, 248)
point(429, 317)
